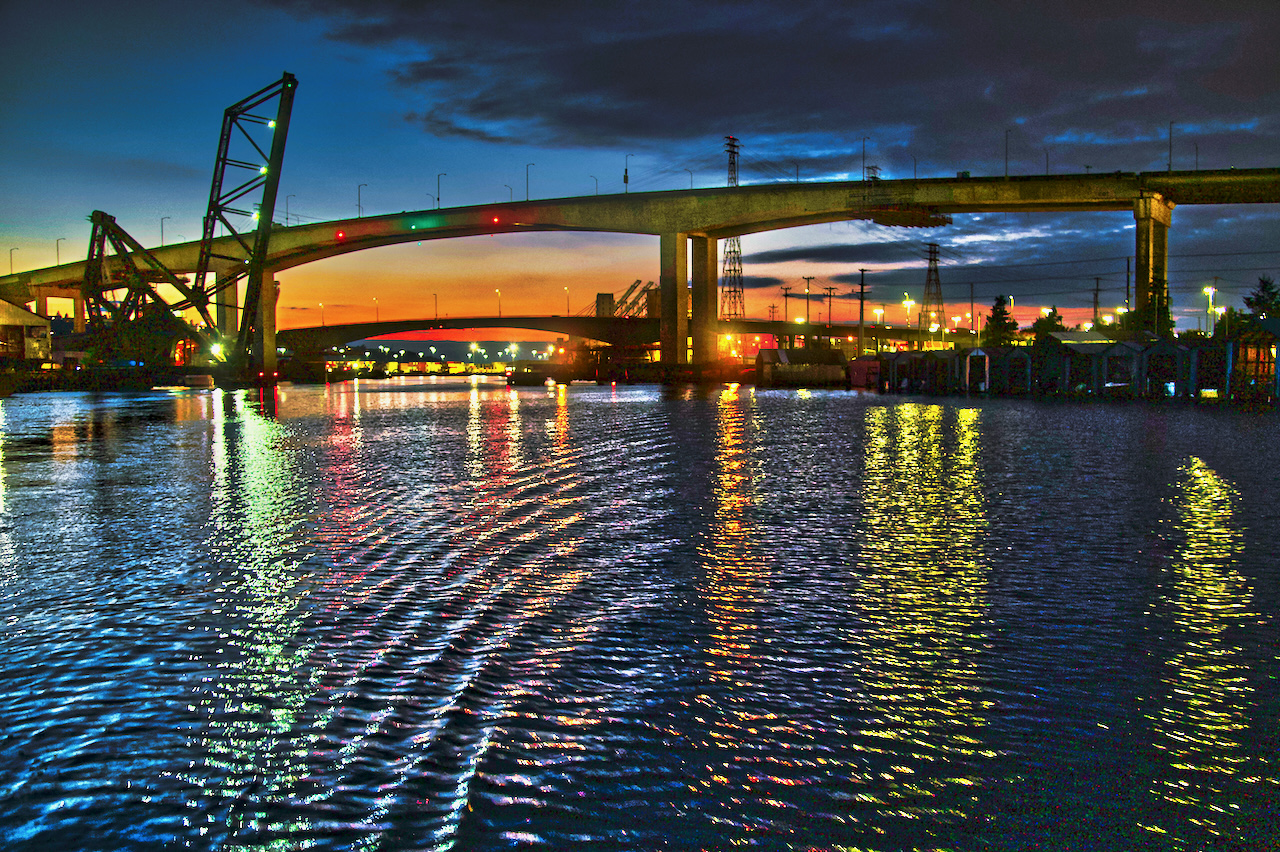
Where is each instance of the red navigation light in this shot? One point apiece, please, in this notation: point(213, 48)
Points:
point(495, 220)
point(341, 235)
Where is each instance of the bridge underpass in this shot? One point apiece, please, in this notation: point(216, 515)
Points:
point(689, 223)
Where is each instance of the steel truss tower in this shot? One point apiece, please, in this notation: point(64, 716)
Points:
point(731, 303)
point(931, 306)
point(260, 170)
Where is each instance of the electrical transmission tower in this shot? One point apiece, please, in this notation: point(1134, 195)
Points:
point(932, 303)
point(731, 304)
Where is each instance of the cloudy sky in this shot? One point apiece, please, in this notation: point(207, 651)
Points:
point(118, 106)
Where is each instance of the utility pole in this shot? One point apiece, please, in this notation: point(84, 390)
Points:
point(862, 301)
point(786, 294)
point(1097, 284)
point(808, 279)
point(972, 314)
point(1127, 306)
point(830, 302)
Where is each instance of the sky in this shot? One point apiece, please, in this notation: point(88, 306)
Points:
point(118, 107)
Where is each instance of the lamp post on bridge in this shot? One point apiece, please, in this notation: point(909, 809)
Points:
point(322, 314)
point(597, 180)
point(11, 251)
point(442, 174)
point(162, 218)
point(626, 180)
point(526, 179)
point(511, 193)
point(690, 171)
point(57, 255)
point(359, 206)
point(499, 292)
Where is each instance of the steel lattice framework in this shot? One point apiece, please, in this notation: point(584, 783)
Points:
point(731, 302)
point(240, 125)
point(931, 305)
point(116, 289)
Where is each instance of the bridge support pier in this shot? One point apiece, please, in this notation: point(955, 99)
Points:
point(264, 336)
point(705, 325)
point(226, 306)
point(1153, 215)
point(674, 337)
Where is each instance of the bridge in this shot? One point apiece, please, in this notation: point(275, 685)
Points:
point(689, 222)
point(615, 331)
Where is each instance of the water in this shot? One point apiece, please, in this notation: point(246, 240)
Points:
point(417, 615)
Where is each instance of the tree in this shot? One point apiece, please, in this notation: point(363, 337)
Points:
point(1264, 301)
point(1051, 321)
point(1001, 329)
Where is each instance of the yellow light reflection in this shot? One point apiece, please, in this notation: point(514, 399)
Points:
point(1203, 713)
point(923, 604)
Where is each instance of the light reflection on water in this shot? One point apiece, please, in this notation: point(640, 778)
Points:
point(416, 615)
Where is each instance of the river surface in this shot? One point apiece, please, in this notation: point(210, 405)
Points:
point(409, 614)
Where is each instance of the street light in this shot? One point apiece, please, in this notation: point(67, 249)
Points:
point(626, 162)
point(566, 301)
point(511, 193)
point(11, 251)
point(499, 292)
point(1209, 291)
point(433, 199)
point(57, 255)
point(359, 206)
point(442, 174)
point(906, 305)
point(322, 313)
point(286, 208)
point(690, 171)
point(526, 179)
point(376, 316)
point(597, 180)
point(162, 218)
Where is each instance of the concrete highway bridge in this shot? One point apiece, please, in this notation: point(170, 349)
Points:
point(690, 222)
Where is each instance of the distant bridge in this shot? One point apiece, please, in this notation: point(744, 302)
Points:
point(615, 331)
point(689, 222)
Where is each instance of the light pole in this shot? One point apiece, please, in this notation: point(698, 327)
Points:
point(526, 179)
point(286, 208)
point(1209, 291)
point(376, 316)
point(511, 193)
point(442, 174)
point(566, 301)
point(499, 292)
point(690, 171)
point(432, 197)
point(359, 206)
point(436, 297)
point(597, 180)
point(808, 279)
point(57, 255)
point(11, 251)
point(322, 314)
point(162, 218)
point(626, 180)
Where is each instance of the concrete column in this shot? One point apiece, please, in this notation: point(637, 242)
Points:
point(674, 255)
point(264, 342)
point(705, 326)
point(42, 303)
point(78, 301)
point(226, 305)
point(1153, 215)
